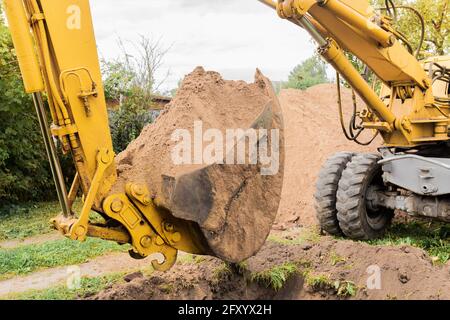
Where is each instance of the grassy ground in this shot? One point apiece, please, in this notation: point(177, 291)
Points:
point(19, 222)
point(432, 237)
point(276, 277)
point(32, 219)
point(26, 259)
point(89, 287)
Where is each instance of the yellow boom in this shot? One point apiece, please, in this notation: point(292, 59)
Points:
point(411, 117)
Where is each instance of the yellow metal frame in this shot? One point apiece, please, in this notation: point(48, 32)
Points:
point(411, 117)
point(46, 35)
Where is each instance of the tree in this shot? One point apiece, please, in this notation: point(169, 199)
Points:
point(437, 24)
point(131, 80)
point(310, 72)
point(24, 172)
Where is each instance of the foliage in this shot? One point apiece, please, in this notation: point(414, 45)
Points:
point(437, 23)
point(276, 277)
point(190, 259)
point(318, 282)
point(310, 72)
point(345, 289)
point(117, 80)
point(19, 222)
point(336, 259)
point(130, 80)
point(127, 122)
point(24, 172)
point(224, 271)
point(32, 219)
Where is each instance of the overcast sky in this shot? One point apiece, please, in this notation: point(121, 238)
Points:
point(233, 37)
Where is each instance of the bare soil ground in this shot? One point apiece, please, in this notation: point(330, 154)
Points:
point(323, 270)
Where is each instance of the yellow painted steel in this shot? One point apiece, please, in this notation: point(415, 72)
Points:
point(25, 48)
point(411, 117)
point(144, 239)
point(357, 20)
point(67, 65)
point(179, 234)
point(336, 57)
point(64, 34)
point(392, 65)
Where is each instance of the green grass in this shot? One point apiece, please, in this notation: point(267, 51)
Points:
point(89, 287)
point(276, 277)
point(190, 259)
point(432, 237)
point(223, 271)
point(335, 258)
point(346, 289)
point(26, 259)
point(319, 282)
point(19, 222)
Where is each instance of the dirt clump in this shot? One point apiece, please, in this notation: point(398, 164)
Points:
point(313, 133)
point(324, 269)
point(233, 205)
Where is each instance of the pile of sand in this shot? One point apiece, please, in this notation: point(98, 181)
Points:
point(313, 133)
point(234, 205)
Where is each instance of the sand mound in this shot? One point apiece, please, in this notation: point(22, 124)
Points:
point(313, 133)
point(234, 204)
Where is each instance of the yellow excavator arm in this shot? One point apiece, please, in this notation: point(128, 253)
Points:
point(60, 58)
point(411, 117)
point(357, 194)
point(56, 49)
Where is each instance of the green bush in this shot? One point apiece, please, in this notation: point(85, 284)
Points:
point(130, 84)
point(309, 73)
point(127, 122)
point(24, 170)
point(24, 173)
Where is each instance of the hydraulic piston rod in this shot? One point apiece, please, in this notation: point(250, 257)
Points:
point(55, 166)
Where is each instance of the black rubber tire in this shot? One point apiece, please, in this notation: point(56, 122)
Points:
point(356, 220)
point(326, 190)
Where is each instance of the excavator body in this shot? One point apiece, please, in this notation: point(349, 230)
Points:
point(357, 194)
